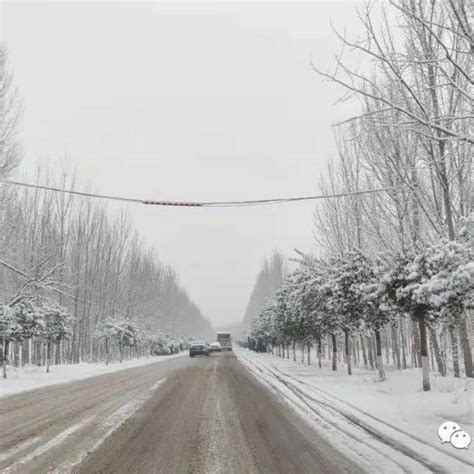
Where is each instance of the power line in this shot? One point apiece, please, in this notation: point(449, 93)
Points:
point(258, 202)
point(254, 202)
point(70, 191)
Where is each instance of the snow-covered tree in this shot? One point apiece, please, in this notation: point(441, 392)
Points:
point(316, 305)
point(379, 308)
point(435, 282)
point(57, 327)
point(348, 273)
point(121, 331)
point(9, 330)
point(262, 327)
point(19, 322)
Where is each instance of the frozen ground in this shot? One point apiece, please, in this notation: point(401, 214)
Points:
point(395, 418)
point(31, 376)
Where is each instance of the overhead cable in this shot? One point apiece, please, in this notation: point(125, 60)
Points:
point(243, 203)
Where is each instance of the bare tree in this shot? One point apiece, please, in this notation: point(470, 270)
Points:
point(10, 111)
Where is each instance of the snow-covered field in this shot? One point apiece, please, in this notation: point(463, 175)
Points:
point(396, 415)
point(31, 376)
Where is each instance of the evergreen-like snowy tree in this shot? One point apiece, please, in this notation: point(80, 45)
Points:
point(348, 275)
point(58, 324)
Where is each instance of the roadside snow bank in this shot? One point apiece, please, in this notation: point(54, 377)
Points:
point(395, 417)
point(31, 376)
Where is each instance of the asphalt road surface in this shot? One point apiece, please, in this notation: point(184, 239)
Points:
point(200, 415)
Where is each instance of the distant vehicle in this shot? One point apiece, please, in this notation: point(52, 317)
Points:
point(224, 339)
point(215, 347)
point(198, 348)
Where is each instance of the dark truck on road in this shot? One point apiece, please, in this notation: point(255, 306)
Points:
point(198, 348)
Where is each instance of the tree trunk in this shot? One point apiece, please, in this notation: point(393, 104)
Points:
point(319, 352)
point(5, 358)
point(417, 346)
point(370, 353)
point(348, 352)
point(294, 351)
point(334, 352)
point(48, 356)
point(387, 345)
point(420, 316)
point(454, 351)
point(355, 352)
point(364, 353)
point(466, 349)
point(395, 347)
point(403, 343)
point(58, 353)
point(378, 348)
point(106, 351)
point(431, 351)
point(13, 354)
point(437, 353)
point(309, 353)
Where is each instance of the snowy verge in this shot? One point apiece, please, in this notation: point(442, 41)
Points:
point(368, 417)
point(31, 377)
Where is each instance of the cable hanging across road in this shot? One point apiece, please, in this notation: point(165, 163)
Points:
point(254, 202)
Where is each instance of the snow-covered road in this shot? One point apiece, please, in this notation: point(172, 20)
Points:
point(201, 415)
point(231, 412)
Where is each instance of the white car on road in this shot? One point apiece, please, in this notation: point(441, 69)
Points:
point(215, 347)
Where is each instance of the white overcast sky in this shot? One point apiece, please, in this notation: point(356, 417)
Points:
point(192, 101)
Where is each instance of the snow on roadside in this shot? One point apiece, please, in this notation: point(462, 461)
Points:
point(396, 413)
point(31, 377)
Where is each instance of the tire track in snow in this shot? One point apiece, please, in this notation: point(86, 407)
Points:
point(370, 460)
point(328, 398)
point(371, 454)
point(52, 443)
point(113, 422)
point(18, 448)
point(439, 465)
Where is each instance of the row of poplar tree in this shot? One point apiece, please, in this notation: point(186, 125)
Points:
point(355, 295)
point(66, 256)
point(77, 283)
point(405, 248)
point(42, 335)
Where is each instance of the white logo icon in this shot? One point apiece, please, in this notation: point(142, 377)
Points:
point(450, 432)
point(460, 440)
